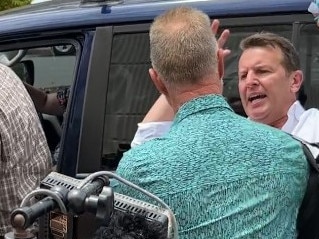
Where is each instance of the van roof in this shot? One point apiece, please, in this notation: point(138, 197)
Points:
point(60, 14)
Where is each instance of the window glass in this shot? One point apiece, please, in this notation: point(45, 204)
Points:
point(131, 92)
point(309, 56)
point(49, 68)
point(53, 66)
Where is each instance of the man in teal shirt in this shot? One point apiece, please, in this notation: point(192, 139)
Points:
point(222, 175)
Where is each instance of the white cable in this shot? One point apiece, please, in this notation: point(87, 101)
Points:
point(92, 176)
point(46, 192)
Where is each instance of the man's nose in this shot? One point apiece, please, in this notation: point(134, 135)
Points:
point(251, 79)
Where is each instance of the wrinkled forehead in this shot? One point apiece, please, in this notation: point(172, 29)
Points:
point(261, 54)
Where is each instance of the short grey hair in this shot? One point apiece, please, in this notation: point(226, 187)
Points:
point(183, 46)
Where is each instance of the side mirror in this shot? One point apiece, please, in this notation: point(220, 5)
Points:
point(9, 58)
point(25, 71)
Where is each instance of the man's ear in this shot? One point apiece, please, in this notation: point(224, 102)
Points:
point(220, 57)
point(296, 81)
point(158, 82)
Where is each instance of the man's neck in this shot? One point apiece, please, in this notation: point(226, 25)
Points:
point(181, 96)
point(280, 122)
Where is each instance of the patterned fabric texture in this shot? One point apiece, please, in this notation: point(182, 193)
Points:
point(223, 175)
point(25, 156)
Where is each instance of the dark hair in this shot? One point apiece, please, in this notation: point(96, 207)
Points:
point(291, 60)
point(131, 226)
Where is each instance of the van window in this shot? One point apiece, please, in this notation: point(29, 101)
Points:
point(131, 92)
point(48, 68)
point(309, 56)
point(52, 68)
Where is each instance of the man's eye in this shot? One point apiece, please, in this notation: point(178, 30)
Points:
point(242, 77)
point(262, 71)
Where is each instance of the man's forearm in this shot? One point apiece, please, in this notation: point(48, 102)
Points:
point(160, 111)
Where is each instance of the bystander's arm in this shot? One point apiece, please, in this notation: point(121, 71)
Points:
point(43, 102)
point(160, 111)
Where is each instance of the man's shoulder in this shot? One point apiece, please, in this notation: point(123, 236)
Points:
point(10, 82)
point(143, 162)
point(310, 118)
point(311, 113)
point(148, 148)
point(308, 126)
point(4, 67)
point(263, 130)
point(271, 140)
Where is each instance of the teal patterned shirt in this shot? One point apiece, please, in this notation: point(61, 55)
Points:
point(223, 175)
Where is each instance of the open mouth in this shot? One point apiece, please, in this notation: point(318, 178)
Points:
point(256, 97)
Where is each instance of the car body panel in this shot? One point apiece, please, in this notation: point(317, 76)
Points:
point(68, 15)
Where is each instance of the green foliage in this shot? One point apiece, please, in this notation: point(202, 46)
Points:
point(7, 4)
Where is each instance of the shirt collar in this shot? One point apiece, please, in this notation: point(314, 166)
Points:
point(294, 113)
point(195, 105)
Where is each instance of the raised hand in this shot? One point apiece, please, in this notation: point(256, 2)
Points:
point(222, 38)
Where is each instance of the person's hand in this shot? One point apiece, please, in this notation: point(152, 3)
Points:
point(222, 38)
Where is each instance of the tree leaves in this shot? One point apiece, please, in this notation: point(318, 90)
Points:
point(7, 4)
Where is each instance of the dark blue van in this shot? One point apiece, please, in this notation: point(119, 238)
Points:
point(101, 51)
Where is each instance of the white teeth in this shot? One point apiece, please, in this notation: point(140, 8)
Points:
point(255, 97)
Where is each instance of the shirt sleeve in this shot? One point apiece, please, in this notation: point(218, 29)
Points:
point(307, 129)
point(150, 130)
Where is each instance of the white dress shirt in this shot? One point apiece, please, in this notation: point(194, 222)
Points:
point(303, 124)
